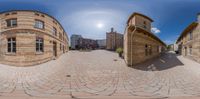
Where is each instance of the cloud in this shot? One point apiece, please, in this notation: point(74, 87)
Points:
point(155, 30)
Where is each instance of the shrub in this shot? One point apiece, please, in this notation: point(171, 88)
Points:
point(119, 50)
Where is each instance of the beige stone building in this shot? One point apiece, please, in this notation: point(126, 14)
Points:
point(189, 41)
point(114, 40)
point(30, 37)
point(139, 43)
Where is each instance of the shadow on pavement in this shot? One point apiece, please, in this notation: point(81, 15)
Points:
point(165, 61)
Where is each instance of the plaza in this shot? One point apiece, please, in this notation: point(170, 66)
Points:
point(102, 74)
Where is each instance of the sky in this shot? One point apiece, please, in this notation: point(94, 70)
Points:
point(93, 18)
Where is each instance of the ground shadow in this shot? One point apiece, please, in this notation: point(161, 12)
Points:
point(164, 61)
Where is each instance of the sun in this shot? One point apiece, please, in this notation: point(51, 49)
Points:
point(100, 25)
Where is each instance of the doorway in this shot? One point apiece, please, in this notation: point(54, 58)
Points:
point(185, 51)
point(54, 49)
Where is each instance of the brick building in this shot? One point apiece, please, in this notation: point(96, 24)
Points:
point(139, 43)
point(30, 37)
point(189, 41)
point(114, 40)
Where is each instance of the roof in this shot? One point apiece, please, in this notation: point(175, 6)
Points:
point(38, 12)
point(136, 13)
point(154, 36)
point(186, 30)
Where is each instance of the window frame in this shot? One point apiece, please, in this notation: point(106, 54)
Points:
point(54, 31)
point(12, 22)
point(190, 50)
point(12, 42)
point(39, 41)
point(190, 36)
point(39, 24)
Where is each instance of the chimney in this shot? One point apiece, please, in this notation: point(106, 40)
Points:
point(198, 17)
point(112, 29)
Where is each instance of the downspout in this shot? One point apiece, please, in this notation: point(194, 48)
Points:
point(132, 45)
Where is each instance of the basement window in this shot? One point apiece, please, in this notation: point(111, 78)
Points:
point(11, 45)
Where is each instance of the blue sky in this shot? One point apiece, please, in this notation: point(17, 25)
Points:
point(93, 18)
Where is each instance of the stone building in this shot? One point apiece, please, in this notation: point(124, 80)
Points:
point(114, 40)
point(189, 41)
point(30, 37)
point(139, 43)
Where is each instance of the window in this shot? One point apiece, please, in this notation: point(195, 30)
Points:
point(60, 36)
point(11, 45)
point(42, 16)
point(146, 50)
point(11, 22)
point(190, 36)
point(36, 14)
point(54, 22)
point(190, 50)
point(7, 14)
point(39, 44)
point(39, 24)
point(144, 24)
point(14, 13)
point(54, 31)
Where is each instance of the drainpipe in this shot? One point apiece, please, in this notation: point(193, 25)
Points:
point(132, 45)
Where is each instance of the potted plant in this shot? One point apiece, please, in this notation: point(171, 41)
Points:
point(119, 51)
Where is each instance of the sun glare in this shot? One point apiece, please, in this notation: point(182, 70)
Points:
point(100, 25)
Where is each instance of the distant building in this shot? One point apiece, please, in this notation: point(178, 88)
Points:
point(114, 40)
point(139, 43)
point(189, 41)
point(101, 43)
point(74, 40)
point(170, 47)
point(84, 43)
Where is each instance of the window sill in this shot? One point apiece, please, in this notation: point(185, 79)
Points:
point(39, 28)
point(10, 27)
point(11, 54)
point(39, 53)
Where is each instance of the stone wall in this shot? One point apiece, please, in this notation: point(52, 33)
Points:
point(25, 34)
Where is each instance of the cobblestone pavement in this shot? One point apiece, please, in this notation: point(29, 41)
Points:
point(102, 74)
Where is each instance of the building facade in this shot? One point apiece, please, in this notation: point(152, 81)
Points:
point(114, 40)
point(189, 41)
point(30, 37)
point(85, 43)
point(74, 40)
point(101, 44)
point(139, 43)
